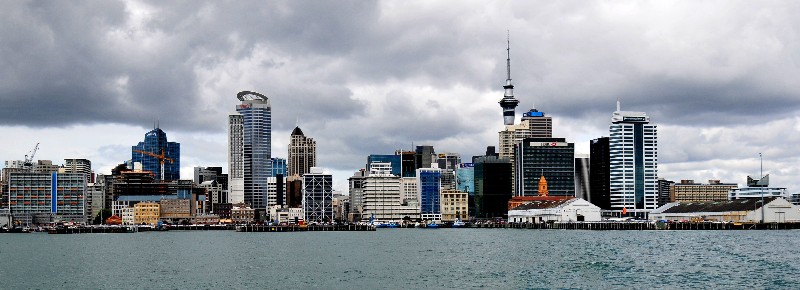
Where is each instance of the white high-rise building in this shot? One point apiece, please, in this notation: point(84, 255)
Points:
point(633, 156)
point(235, 159)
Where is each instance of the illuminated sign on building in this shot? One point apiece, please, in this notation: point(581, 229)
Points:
point(549, 144)
point(634, 119)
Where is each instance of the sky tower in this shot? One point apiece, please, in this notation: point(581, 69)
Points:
point(508, 103)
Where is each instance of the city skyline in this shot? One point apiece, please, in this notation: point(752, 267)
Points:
point(87, 80)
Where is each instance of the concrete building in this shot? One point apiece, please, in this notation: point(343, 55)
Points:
point(250, 150)
point(243, 214)
point(561, 210)
point(318, 196)
point(534, 124)
point(302, 153)
point(59, 195)
point(383, 199)
point(289, 215)
point(76, 165)
point(176, 209)
point(127, 215)
point(455, 205)
point(757, 188)
point(276, 191)
point(551, 157)
point(158, 156)
point(777, 209)
point(633, 156)
point(146, 213)
point(356, 190)
point(688, 190)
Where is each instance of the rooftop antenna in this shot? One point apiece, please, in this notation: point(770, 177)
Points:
point(508, 54)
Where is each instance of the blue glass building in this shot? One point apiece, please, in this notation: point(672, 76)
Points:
point(465, 178)
point(395, 160)
point(278, 167)
point(155, 148)
point(429, 184)
point(256, 146)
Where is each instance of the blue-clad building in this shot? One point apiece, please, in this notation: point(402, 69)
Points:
point(278, 167)
point(429, 187)
point(395, 160)
point(156, 149)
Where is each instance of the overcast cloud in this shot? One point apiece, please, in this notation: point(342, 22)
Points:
point(87, 79)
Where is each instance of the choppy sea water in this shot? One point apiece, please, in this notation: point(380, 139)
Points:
point(404, 259)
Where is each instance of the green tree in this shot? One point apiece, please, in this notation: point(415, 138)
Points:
point(102, 216)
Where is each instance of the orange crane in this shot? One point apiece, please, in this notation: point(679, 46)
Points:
point(161, 158)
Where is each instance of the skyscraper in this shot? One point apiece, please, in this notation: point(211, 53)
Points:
point(552, 157)
point(250, 149)
point(508, 102)
point(599, 173)
point(302, 153)
point(156, 153)
point(633, 155)
point(492, 186)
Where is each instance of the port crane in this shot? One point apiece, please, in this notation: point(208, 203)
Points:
point(27, 164)
point(161, 159)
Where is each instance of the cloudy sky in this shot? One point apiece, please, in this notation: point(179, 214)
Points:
point(88, 79)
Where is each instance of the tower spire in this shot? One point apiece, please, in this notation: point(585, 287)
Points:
point(508, 56)
point(508, 103)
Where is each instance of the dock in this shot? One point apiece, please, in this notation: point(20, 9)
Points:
point(303, 228)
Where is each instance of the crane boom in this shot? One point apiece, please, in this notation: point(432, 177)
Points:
point(161, 158)
point(28, 162)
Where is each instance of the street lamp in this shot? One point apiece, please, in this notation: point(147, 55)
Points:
point(760, 188)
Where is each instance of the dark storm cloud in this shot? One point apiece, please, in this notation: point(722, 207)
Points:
point(87, 62)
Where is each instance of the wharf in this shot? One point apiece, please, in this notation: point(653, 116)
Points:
point(91, 230)
point(309, 228)
point(646, 225)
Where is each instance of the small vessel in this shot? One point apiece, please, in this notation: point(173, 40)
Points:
point(458, 223)
point(432, 225)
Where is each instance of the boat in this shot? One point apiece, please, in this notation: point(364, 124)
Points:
point(432, 225)
point(458, 224)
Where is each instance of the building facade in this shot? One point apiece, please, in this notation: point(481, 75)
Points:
point(688, 190)
point(429, 182)
point(146, 213)
point(250, 161)
point(156, 153)
point(302, 153)
point(318, 195)
point(492, 186)
point(60, 195)
point(633, 159)
point(599, 173)
point(455, 205)
point(550, 157)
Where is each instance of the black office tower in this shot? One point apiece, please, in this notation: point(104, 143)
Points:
point(492, 187)
point(599, 173)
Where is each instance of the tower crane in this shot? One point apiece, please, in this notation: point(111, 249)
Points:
point(161, 158)
point(28, 162)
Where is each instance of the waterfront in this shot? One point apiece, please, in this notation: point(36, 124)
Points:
point(403, 258)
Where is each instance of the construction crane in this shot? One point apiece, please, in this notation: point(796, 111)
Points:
point(161, 158)
point(27, 164)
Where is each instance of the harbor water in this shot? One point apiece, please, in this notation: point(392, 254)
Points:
point(403, 259)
